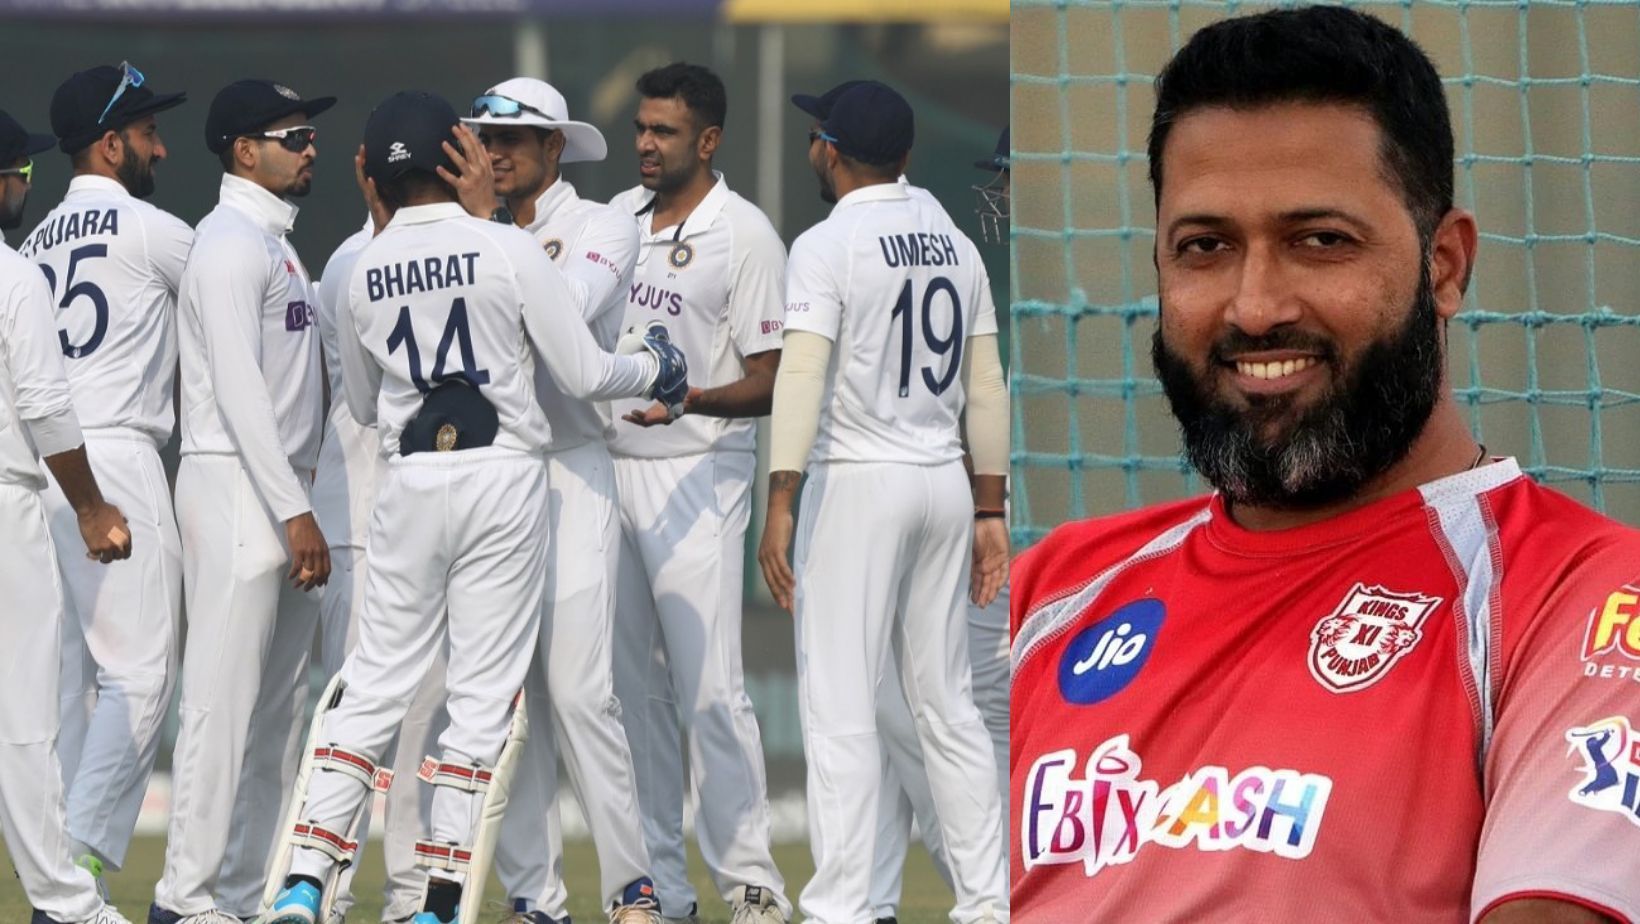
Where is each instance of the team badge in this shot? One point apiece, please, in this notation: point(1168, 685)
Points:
point(1610, 750)
point(681, 254)
point(553, 248)
point(445, 439)
point(1355, 646)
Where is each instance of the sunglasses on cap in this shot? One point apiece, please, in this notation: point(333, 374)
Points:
point(26, 172)
point(502, 107)
point(129, 77)
point(294, 139)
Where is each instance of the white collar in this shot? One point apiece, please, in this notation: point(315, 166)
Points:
point(876, 192)
point(699, 220)
point(552, 199)
point(422, 214)
point(94, 183)
point(272, 214)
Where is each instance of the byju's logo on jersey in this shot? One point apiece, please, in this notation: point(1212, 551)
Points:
point(1107, 815)
point(397, 152)
point(1610, 753)
point(1355, 646)
point(1104, 658)
point(1611, 643)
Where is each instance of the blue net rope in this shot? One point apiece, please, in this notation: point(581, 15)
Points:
point(1545, 357)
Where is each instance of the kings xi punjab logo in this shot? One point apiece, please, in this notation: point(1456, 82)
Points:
point(1357, 644)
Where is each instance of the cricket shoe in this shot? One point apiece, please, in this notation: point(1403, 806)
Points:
point(428, 917)
point(688, 917)
point(107, 914)
point(297, 903)
point(638, 904)
point(754, 905)
point(521, 914)
point(158, 915)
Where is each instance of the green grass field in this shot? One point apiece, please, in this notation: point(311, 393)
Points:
point(926, 899)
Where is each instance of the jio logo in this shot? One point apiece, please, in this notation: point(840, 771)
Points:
point(1105, 657)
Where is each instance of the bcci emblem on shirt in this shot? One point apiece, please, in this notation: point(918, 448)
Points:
point(680, 256)
point(1361, 640)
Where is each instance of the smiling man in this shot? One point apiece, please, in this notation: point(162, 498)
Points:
point(1347, 685)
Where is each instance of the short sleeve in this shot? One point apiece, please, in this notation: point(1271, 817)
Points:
point(1562, 772)
point(758, 288)
point(814, 293)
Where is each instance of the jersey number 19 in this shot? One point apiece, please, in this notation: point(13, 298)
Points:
point(951, 344)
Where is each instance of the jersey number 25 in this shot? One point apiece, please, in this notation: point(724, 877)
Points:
point(87, 288)
point(455, 332)
point(951, 344)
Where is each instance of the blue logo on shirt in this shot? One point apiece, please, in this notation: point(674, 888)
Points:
point(1105, 657)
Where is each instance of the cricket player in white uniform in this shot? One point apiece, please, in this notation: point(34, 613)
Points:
point(525, 126)
point(37, 419)
point(889, 338)
point(445, 315)
point(711, 266)
point(114, 264)
point(344, 495)
point(252, 550)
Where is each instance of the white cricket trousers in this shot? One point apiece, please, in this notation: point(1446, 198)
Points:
point(457, 556)
point(882, 560)
point(31, 784)
point(572, 670)
point(119, 642)
point(244, 689)
point(409, 803)
point(677, 652)
point(905, 794)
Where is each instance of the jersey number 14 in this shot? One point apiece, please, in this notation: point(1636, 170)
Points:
point(455, 333)
point(941, 346)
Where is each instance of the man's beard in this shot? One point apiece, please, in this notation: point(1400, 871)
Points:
point(136, 175)
point(828, 189)
point(1363, 425)
point(668, 181)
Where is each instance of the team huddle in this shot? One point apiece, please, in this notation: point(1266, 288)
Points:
point(498, 460)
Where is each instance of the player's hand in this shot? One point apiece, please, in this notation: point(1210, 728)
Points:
point(378, 212)
point(309, 553)
point(475, 184)
point(106, 535)
point(656, 414)
point(771, 556)
point(990, 570)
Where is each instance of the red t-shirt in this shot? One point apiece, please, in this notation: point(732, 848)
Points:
point(1407, 713)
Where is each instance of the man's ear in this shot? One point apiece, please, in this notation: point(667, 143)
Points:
point(1452, 260)
point(709, 140)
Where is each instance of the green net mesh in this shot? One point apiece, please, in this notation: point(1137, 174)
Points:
point(1545, 97)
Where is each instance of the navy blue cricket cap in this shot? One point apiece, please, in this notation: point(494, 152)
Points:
point(820, 106)
point(998, 160)
point(17, 143)
point(871, 123)
point(407, 131)
point(85, 107)
point(245, 107)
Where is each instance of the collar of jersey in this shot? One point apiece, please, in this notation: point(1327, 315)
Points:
point(272, 214)
point(699, 220)
point(876, 192)
point(1369, 521)
point(91, 182)
point(422, 214)
point(553, 198)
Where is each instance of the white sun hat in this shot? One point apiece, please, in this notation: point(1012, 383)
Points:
point(527, 101)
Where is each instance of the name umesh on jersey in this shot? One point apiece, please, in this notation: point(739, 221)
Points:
point(1412, 712)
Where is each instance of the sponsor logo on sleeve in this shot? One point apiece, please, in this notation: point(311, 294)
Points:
point(298, 316)
point(1104, 812)
point(1611, 641)
point(1610, 753)
point(1103, 658)
point(1356, 645)
point(771, 327)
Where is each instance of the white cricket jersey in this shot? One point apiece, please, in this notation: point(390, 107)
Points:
point(440, 294)
point(36, 407)
point(717, 281)
point(251, 383)
point(350, 459)
point(899, 290)
point(596, 247)
point(114, 264)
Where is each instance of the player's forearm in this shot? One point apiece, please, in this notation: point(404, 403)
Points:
point(783, 490)
point(990, 492)
point(752, 396)
point(1543, 911)
point(72, 470)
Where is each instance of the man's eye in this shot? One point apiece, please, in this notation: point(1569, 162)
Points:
point(1323, 239)
point(1201, 245)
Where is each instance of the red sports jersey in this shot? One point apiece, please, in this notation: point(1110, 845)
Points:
point(1407, 713)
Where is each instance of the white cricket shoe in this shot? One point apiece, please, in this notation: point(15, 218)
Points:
point(754, 905)
point(210, 917)
point(107, 914)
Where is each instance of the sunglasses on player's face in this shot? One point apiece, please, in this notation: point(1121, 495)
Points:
point(129, 77)
point(26, 172)
point(295, 139)
point(502, 107)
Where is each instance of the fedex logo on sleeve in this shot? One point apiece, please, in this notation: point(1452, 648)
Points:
point(1104, 815)
point(1611, 640)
